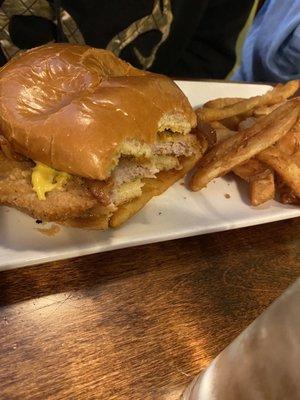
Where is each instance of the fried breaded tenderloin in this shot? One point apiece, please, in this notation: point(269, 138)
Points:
point(111, 127)
point(16, 191)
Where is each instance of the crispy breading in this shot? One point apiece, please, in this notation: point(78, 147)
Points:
point(87, 199)
point(16, 191)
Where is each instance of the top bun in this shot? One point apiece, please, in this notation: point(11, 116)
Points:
point(72, 106)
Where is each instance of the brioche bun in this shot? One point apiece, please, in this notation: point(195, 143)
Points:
point(81, 110)
point(71, 107)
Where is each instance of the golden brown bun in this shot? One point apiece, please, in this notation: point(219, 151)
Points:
point(152, 187)
point(72, 106)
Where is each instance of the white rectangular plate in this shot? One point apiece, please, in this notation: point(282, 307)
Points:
point(175, 214)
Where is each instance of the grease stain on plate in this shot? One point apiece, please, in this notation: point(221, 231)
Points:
point(51, 231)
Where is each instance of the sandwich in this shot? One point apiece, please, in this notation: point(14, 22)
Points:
point(86, 139)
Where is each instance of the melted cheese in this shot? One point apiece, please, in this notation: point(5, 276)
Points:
point(45, 179)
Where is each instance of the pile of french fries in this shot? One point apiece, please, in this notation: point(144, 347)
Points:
point(258, 139)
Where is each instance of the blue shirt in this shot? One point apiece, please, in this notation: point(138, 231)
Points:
point(271, 51)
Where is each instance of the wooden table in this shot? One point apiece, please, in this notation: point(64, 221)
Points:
point(138, 323)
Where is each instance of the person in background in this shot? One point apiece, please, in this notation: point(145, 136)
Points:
point(271, 50)
point(181, 38)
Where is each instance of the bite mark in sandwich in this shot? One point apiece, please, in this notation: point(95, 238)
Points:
point(105, 137)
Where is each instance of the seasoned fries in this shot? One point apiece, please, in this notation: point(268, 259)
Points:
point(285, 193)
point(265, 110)
point(257, 138)
point(284, 158)
point(249, 169)
point(223, 102)
point(244, 145)
point(262, 187)
point(277, 95)
point(286, 167)
point(221, 131)
point(260, 179)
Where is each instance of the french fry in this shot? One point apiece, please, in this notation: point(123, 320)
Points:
point(250, 168)
point(221, 131)
point(260, 179)
point(296, 127)
point(246, 144)
point(265, 110)
point(285, 193)
point(233, 122)
point(247, 123)
point(280, 93)
point(224, 147)
point(217, 125)
point(286, 155)
point(268, 129)
point(262, 187)
point(222, 102)
point(290, 143)
point(288, 168)
point(224, 133)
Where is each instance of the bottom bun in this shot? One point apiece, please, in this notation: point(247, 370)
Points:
point(152, 187)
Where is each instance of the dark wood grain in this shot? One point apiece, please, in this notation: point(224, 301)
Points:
point(138, 323)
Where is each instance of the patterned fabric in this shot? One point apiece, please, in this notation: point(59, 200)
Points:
point(189, 38)
point(32, 8)
point(70, 28)
point(159, 19)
